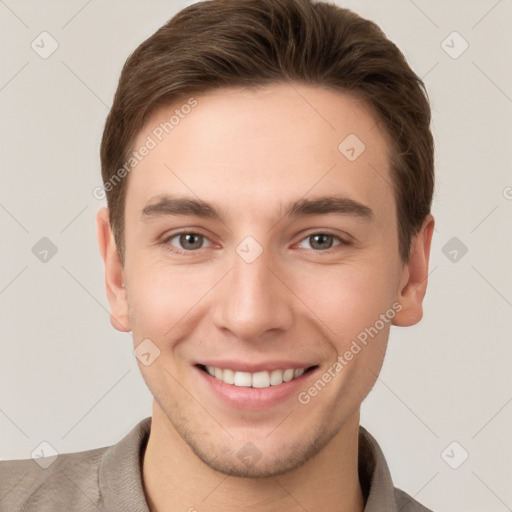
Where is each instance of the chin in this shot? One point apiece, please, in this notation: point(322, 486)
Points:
point(258, 459)
point(250, 462)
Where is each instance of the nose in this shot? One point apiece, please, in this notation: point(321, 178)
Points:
point(253, 302)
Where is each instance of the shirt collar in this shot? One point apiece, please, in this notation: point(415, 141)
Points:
point(120, 475)
point(374, 475)
point(121, 487)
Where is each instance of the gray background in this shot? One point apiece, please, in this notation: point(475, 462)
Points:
point(68, 378)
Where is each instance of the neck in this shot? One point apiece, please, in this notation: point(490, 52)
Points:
point(175, 479)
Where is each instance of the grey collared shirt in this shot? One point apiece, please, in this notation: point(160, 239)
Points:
point(110, 480)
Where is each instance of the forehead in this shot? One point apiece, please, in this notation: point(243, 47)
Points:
point(265, 145)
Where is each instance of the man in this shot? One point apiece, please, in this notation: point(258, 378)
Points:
point(268, 167)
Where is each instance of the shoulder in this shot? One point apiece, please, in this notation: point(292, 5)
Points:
point(67, 482)
point(105, 478)
point(406, 503)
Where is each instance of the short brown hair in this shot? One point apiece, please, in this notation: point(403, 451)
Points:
point(251, 43)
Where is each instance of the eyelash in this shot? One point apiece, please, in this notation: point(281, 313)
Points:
point(168, 246)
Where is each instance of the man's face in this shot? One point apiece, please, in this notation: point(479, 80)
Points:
point(262, 288)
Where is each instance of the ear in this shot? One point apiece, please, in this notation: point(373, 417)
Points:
point(114, 273)
point(413, 285)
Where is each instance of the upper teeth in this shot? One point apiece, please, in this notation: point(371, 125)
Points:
point(256, 380)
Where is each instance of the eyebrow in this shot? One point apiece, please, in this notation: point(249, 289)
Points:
point(178, 205)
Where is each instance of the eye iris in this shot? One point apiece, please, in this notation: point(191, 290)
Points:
point(321, 238)
point(191, 241)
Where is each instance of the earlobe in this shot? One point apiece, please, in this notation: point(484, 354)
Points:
point(114, 273)
point(413, 285)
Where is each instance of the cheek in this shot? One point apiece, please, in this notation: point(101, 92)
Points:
point(161, 306)
point(162, 299)
point(348, 298)
point(156, 300)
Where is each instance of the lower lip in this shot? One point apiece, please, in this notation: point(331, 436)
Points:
point(254, 398)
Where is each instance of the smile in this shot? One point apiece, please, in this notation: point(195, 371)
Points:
point(263, 379)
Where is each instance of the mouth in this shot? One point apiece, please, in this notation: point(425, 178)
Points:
point(260, 379)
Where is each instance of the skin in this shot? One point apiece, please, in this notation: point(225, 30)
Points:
point(249, 152)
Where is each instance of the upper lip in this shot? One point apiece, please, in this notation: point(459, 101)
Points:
point(242, 366)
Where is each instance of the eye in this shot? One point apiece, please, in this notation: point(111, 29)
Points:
point(322, 241)
point(187, 242)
